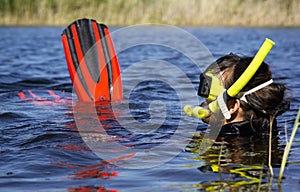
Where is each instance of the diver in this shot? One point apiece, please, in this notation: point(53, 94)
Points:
point(254, 109)
point(244, 119)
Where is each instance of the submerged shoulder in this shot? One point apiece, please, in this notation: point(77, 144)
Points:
point(242, 128)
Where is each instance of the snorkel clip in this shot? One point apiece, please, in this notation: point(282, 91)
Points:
point(222, 101)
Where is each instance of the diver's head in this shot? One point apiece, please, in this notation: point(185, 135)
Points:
point(259, 99)
point(223, 73)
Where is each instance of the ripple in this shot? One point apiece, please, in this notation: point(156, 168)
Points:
point(46, 138)
point(11, 115)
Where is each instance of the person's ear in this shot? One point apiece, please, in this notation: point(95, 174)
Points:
point(234, 106)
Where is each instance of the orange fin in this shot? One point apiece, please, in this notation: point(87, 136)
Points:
point(92, 61)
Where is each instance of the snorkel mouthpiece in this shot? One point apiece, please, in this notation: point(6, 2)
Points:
point(234, 90)
point(198, 112)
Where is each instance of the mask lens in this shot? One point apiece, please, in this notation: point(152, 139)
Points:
point(204, 85)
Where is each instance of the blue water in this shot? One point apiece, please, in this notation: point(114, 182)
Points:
point(42, 147)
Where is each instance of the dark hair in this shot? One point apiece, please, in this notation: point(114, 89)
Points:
point(263, 104)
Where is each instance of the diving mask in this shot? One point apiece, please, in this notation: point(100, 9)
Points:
point(210, 85)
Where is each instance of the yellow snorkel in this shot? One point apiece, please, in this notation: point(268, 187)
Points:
point(220, 103)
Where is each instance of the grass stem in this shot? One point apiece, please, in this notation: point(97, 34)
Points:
point(288, 147)
point(270, 146)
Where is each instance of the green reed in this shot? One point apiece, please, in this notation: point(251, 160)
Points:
point(288, 147)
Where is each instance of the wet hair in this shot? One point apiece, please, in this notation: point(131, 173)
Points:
point(264, 104)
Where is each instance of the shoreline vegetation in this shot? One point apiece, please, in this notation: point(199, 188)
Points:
point(256, 13)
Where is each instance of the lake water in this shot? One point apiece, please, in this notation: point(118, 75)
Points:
point(152, 146)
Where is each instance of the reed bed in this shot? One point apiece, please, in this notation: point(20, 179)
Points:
point(173, 12)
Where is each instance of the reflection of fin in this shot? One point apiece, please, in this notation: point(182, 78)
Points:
point(92, 61)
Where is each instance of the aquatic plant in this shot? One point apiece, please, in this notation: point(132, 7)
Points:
point(272, 118)
point(288, 146)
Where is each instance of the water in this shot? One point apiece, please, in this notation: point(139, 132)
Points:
point(43, 149)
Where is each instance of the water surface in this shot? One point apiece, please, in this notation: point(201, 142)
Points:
point(42, 149)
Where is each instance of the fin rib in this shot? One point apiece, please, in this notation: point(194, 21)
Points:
point(81, 66)
point(72, 62)
point(117, 92)
point(102, 91)
point(107, 57)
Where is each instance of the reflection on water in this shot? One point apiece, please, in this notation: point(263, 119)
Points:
point(240, 163)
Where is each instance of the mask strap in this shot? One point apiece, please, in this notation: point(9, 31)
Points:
point(243, 98)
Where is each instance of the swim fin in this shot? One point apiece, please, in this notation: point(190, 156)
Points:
point(92, 61)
